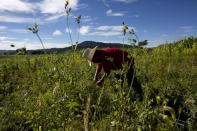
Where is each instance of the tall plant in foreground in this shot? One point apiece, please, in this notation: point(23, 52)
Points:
point(77, 20)
point(35, 31)
point(131, 32)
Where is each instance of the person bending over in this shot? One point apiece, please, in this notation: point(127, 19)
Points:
point(112, 59)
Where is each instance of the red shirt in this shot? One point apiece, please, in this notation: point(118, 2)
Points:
point(112, 59)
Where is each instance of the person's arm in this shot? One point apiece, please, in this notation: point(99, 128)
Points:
point(99, 82)
point(98, 70)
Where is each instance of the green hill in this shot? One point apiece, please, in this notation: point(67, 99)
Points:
point(83, 45)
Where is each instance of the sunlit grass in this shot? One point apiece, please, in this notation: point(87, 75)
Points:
point(167, 73)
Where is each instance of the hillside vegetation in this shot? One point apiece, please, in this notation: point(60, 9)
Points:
point(83, 45)
point(55, 92)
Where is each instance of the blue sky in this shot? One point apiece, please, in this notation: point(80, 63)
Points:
point(156, 20)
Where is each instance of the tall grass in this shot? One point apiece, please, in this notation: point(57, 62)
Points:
point(53, 91)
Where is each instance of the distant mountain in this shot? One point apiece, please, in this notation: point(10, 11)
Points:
point(83, 45)
point(7, 52)
point(88, 44)
point(92, 44)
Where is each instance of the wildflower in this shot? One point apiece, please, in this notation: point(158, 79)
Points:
point(131, 31)
point(34, 29)
point(164, 102)
point(67, 2)
point(29, 28)
point(68, 11)
point(125, 28)
point(78, 19)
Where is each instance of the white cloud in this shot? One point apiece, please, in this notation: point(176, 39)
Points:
point(22, 31)
point(154, 43)
point(67, 30)
point(56, 6)
point(145, 31)
point(164, 35)
point(3, 38)
point(107, 33)
point(57, 32)
point(5, 45)
point(84, 30)
point(39, 20)
point(3, 27)
point(186, 29)
point(126, 1)
point(55, 9)
point(86, 19)
point(16, 6)
point(110, 13)
point(114, 28)
point(14, 19)
point(33, 46)
point(55, 17)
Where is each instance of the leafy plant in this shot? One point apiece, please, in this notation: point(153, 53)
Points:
point(34, 30)
point(77, 20)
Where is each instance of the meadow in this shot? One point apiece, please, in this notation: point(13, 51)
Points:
point(56, 92)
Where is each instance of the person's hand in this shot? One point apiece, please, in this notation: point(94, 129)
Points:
point(95, 80)
point(99, 82)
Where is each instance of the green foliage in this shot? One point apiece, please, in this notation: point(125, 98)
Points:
point(55, 92)
point(143, 43)
point(21, 51)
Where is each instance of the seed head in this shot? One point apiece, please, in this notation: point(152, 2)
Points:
point(29, 28)
point(122, 22)
point(131, 31)
point(78, 19)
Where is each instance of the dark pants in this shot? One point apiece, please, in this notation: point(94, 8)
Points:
point(129, 77)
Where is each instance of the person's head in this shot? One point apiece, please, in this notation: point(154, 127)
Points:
point(91, 55)
point(97, 57)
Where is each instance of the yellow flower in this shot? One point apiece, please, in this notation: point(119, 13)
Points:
point(164, 102)
point(67, 1)
point(125, 27)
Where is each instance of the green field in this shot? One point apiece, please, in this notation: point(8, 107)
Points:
point(56, 92)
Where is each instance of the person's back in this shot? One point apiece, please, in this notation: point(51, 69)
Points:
point(112, 59)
